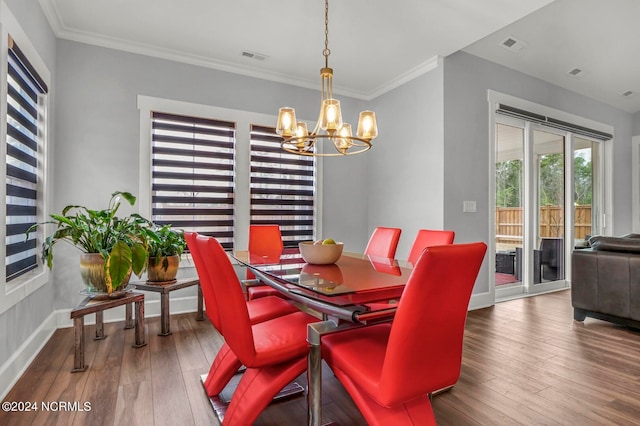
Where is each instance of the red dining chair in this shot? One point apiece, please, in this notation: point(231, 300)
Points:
point(274, 352)
point(383, 242)
point(390, 369)
point(428, 238)
point(262, 239)
point(226, 364)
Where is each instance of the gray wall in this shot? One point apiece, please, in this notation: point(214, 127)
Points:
point(98, 134)
point(18, 323)
point(406, 171)
point(636, 124)
point(466, 148)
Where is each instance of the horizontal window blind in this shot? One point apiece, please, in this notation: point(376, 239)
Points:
point(282, 187)
point(552, 122)
point(24, 133)
point(192, 175)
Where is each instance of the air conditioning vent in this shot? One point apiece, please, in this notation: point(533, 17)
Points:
point(254, 55)
point(513, 44)
point(576, 72)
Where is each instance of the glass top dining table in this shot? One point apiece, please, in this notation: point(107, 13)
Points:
point(356, 290)
point(353, 285)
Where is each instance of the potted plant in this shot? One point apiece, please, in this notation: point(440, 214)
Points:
point(112, 247)
point(165, 246)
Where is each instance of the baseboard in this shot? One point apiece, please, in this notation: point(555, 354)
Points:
point(15, 366)
point(178, 305)
point(481, 300)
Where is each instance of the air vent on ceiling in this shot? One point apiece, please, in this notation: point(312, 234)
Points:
point(254, 55)
point(575, 72)
point(513, 44)
point(627, 94)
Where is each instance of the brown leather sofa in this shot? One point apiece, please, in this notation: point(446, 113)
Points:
point(606, 280)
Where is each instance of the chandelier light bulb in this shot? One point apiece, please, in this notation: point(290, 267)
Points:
point(301, 135)
point(343, 142)
point(367, 127)
point(286, 122)
point(330, 116)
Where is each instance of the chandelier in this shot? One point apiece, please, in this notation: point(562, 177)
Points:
point(330, 127)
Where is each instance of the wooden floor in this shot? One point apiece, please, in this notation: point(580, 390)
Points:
point(525, 362)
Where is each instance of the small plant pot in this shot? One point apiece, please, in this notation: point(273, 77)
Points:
point(163, 269)
point(92, 272)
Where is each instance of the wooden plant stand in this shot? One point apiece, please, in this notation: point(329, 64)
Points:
point(89, 306)
point(164, 288)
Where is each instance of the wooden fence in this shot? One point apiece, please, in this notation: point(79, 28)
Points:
point(509, 223)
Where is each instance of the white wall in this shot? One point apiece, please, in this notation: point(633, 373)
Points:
point(466, 141)
point(98, 134)
point(405, 167)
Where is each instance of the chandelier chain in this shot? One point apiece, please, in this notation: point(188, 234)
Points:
point(326, 52)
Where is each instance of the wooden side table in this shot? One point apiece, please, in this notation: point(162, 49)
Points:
point(164, 288)
point(89, 306)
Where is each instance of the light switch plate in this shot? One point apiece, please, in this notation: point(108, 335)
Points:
point(469, 207)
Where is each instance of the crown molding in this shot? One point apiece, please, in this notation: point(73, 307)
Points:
point(61, 31)
point(415, 72)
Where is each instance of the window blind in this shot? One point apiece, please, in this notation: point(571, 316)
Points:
point(24, 130)
point(192, 175)
point(282, 187)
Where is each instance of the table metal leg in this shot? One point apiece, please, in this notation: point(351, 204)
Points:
point(78, 345)
point(99, 326)
point(314, 367)
point(165, 328)
point(139, 340)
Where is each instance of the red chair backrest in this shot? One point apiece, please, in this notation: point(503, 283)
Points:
point(236, 324)
point(424, 351)
point(205, 284)
point(383, 242)
point(265, 239)
point(428, 238)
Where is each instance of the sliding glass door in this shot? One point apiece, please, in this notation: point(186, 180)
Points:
point(537, 221)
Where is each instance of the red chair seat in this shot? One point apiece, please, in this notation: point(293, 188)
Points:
point(269, 307)
point(280, 338)
point(256, 292)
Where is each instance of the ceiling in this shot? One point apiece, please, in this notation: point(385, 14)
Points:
point(376, 45)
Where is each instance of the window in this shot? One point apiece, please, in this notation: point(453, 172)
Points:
point(192, 180)
point(24, 128)
point(282, 187)
point(24, 133)
point(236, 155)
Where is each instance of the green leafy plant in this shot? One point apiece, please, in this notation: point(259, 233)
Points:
point(164, 241)
point(120, 241)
